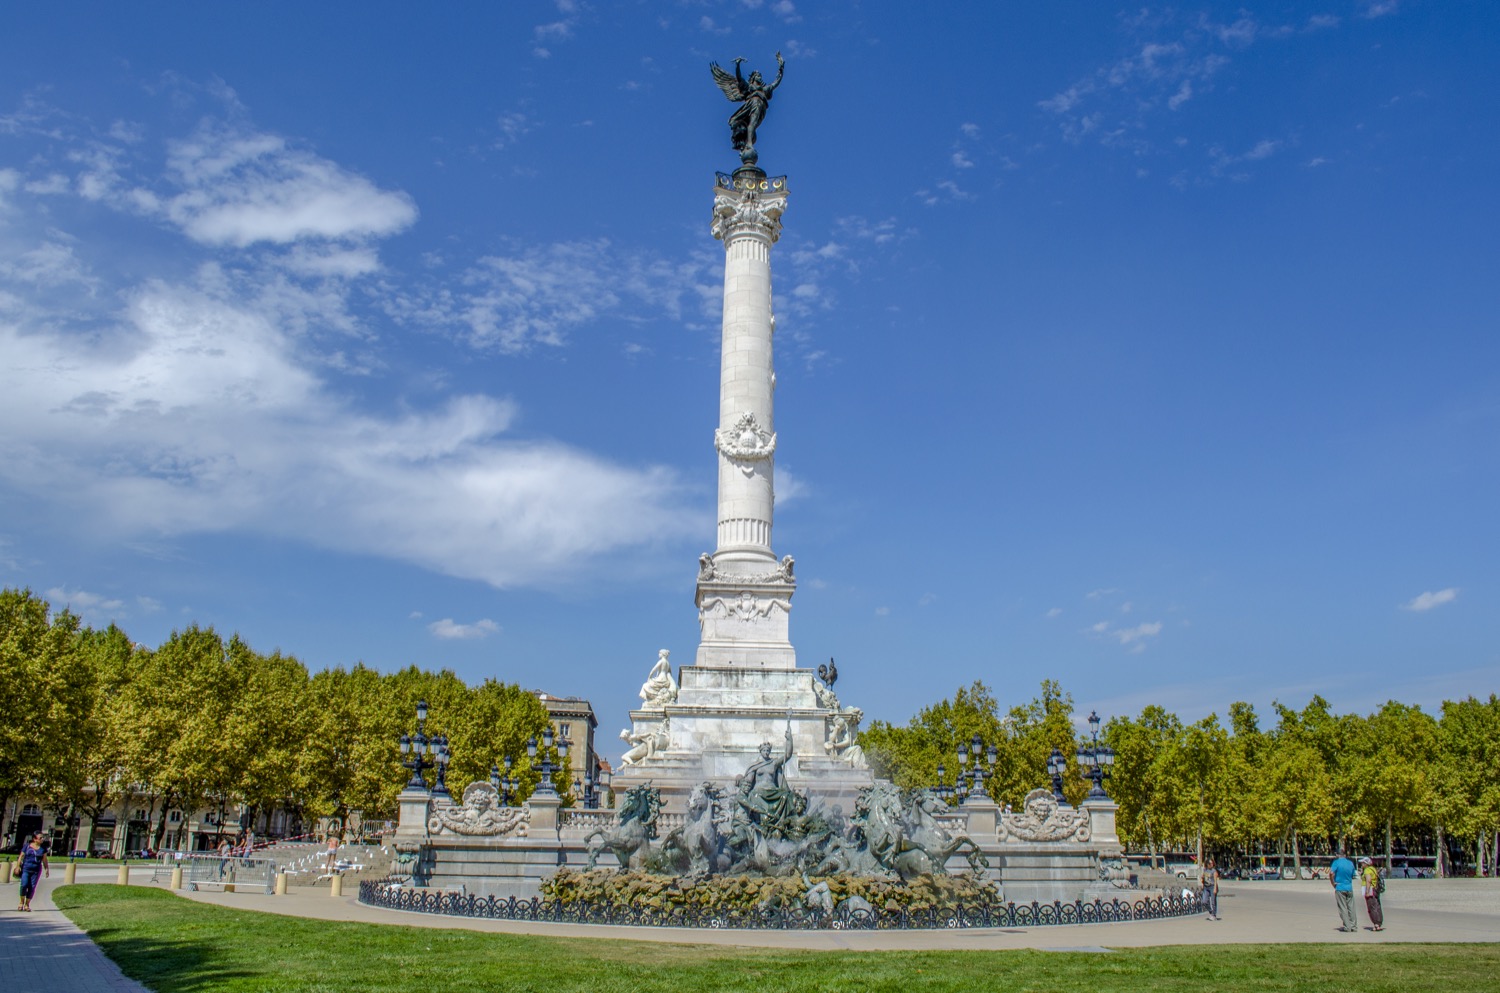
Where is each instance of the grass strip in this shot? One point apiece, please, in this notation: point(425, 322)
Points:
point(175, 945)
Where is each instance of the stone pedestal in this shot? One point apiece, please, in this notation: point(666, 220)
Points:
point(1102, 831)
point(411, 827)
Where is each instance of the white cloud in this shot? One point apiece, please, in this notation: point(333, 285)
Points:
point(1128, 635)
point(927, 599)
point(90, 606)
point(882, 611)
point(1183, 95)
point(194, 411)
point(447, 629)
point(538, 294)
point(1426, 601)
point(1054, 612)
point(240, 186)
point(1380, 8)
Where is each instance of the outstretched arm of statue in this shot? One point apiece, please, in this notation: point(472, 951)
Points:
point(788, 753)
point(780, 71)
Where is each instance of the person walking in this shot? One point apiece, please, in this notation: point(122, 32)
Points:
point(1341, 875)
point(34, 865)
point(1371, 884)
point(1209, 887)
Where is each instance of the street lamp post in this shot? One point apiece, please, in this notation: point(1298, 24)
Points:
point(441, 757)
point(977, 773)
point(506, 785)
point(547, 768)
point(1056, 766)
point(1096, 758)
point(415, 748)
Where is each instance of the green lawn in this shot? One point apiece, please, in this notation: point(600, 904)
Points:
point(175, 945)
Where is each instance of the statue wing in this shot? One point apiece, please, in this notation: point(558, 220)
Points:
point(732, 87)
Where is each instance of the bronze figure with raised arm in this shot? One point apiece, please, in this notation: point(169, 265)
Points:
point(754, 96)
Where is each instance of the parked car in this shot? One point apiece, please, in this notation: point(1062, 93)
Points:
point(1183, 870)
point(1264, 872)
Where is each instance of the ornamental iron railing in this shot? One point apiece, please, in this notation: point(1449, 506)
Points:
point(393, 896)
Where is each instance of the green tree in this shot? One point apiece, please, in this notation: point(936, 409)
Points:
point(46, 688)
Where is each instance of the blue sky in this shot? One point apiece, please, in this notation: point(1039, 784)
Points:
point(1148, 349)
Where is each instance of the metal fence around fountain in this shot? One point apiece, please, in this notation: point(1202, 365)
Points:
point(391, 895)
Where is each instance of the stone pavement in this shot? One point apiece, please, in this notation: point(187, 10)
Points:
point(44, 952)
point(1254, 912)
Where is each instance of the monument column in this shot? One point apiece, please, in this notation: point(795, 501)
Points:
point(744, 594)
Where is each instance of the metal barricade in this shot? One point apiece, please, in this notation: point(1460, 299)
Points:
point(243, 873)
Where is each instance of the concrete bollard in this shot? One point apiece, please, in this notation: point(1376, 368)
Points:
point(123, 879)
point(6, 877)
point(70, 874)
point(176, 877)
point(336, 886)
point(281, 884)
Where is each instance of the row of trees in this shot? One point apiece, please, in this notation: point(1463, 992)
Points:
point(203, 722)
point(1308, 782)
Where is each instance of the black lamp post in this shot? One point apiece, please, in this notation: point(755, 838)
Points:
point(415, 748)
point(506, 785)
point(1096, 758)
point(1056, 766)
point(977, 773)
point(586, 790)
point(440, 757)
point(547, 768)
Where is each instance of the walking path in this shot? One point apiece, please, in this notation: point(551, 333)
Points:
point(43, 952)
point(1271, 912)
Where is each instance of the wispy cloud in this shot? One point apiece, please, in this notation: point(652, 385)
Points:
point(95, 608)
point(448, 629)
point(1426, 601)
point(148, 405)
point(1132, 638)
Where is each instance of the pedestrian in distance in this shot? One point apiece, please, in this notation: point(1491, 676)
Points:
point(34, 865)
point(1372, 884)
point(1341, 875)
point(1209, 887)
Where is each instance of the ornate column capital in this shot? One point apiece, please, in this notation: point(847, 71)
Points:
point(755, 213)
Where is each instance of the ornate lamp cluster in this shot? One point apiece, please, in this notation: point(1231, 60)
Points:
point(507, 786)
point(970, 778)
point(587, 790)
point(1096, 758)
point(420, 752)
point(547, 767)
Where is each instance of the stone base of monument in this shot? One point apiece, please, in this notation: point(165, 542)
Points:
point(1044, 854)
point(713, 731)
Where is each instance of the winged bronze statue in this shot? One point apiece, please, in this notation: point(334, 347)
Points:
point(753, 96)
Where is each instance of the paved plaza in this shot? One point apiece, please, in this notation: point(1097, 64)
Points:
point(43, 952)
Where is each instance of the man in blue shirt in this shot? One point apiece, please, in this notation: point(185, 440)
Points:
point(1341, 874)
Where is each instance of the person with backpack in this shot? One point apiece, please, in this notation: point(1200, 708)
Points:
point(1373, 884)
point(34, 865)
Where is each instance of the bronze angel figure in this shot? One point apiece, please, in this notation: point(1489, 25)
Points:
point(753, 96)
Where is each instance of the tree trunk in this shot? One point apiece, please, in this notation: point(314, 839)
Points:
point(1296, 855)
point(1387, 844)
point(1495, 857)
point(1439, 869)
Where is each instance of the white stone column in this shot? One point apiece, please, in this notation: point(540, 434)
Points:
point(744, 595)
point(747, 218)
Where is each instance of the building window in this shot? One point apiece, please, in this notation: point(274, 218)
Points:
point(31, 809)
point(565, 730)
point(175, 816)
